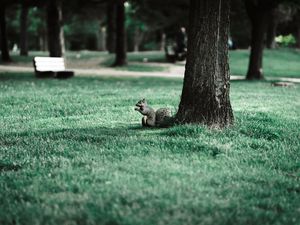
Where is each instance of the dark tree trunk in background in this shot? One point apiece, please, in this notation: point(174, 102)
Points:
point(4, 43)
point(121, 56)
point(271, 30)
point(54, 29)
point(111, 27)
point(23, 32)
point(258, 12)
point(205, 94)
point(297, 18)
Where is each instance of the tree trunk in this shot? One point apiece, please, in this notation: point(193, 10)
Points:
point(54, 29)
point(121, 57)
point(258, 13)
point(163, 41)
point(111, 27)
point(23, 32)
point(205, 94)
point(101, 38)
point(271, 30)
point(297, 18)
point(298, 37)
point(4, 45)
point(255, 70)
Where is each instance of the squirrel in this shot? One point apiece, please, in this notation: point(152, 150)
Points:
point(151, 118)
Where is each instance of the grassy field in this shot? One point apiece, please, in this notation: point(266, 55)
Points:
point(73, 152)
point(277, 63)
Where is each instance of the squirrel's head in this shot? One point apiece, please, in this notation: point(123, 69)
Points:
point(141, 104)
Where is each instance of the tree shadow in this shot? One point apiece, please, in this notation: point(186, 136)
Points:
point(5, 167)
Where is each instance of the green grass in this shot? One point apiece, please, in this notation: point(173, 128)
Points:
point(283, 62)
point(136, 62)
point(98, 60)
point(276, 63)
point(73, 152)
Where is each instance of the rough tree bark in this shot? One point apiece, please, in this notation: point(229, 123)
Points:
point(23, 31)
point(54, 29)
point(121, 56)
point(111, 27)
point(205, 94)
point(4, 43)
point(258, 12)
point(271, 30)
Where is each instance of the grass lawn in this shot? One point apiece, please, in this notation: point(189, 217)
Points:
point(282, 62)
point(73, 152)
point(98, 60)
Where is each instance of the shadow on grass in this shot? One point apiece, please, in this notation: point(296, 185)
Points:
point(258, 126)
point(4, 167)
point(92, 80)
point(114, 143)
point(8, 76)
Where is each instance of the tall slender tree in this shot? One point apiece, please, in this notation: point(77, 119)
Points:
point(111, 26)
point(54, 28)
point(23, 31)
point(205, 94)
point(258, 12)
point(4, 42)
point(121, 56)
point(297, 22)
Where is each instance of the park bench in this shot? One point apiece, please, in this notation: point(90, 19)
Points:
point(51, 67)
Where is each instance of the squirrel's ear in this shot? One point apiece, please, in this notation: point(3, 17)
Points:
point(143, 100)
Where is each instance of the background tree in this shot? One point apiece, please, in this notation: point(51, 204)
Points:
point(23, 29)
point(121, 56)
point(297, 23)
point(3, 32)
point(258, 12)
point(111, 26)
point(54, 28)
point(205, 94)
point(25, 19)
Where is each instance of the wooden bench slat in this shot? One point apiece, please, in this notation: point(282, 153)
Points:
point(44, 62)
point(48, 59)
point(54, 64)
point(51, 66)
